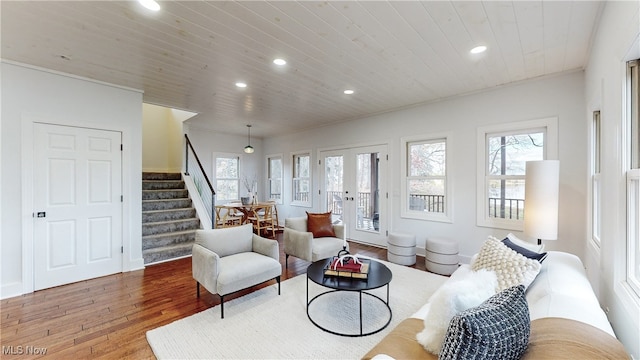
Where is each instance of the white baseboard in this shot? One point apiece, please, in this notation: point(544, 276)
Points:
point(11, 290)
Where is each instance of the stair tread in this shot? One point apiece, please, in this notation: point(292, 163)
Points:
point(172, 199)
point(163, 190)
point(171, 221)
point(173, 233)
point(166, 210)
point(164, 248)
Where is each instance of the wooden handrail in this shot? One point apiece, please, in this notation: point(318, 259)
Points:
point(204, 175)
point(189, 146)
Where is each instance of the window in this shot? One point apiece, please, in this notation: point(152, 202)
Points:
point(595, 179)
point(274, 176)
point(227, 180)
point(425, 191)
point(502, 155)
point(301, 181)
point(633, 179)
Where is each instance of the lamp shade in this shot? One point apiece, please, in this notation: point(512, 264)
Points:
point(542, 182)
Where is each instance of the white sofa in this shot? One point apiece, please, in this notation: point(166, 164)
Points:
point(561, 290)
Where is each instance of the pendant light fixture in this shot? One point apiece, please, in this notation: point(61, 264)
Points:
point(249, 149)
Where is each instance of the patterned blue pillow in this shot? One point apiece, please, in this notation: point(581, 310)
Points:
point(497, 329)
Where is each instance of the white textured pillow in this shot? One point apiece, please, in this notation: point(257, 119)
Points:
point(525, 244)
point(468, 289)
point(511, 268)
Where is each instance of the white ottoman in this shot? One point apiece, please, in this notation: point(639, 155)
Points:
point(441, 255)
point(401, 248)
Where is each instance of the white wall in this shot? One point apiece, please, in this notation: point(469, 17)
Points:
point(162, 139)
point(615, 43)
point(207, 142)
point(30, 93)
point(560, 96)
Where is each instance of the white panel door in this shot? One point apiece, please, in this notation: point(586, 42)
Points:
point(77, 204)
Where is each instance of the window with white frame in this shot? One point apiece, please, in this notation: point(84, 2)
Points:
point(425, 190)
point(301, 179)
point(633, 178)
point(595, 179)
point(274, 176)
point(227, 177)
point(503, 151)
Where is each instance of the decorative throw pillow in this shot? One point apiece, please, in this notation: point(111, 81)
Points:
point(525, 244)
point(468, 289)
point(497, 329)
point(320, 225)
point(510, 267)
point(524, 252)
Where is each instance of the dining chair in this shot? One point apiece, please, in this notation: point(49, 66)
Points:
point(227, 217)
point(263, 219)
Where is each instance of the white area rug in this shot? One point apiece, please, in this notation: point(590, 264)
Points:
point(263, 325)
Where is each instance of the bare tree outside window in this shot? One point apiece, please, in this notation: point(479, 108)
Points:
point(301, 178)
point(426, 178)
point(507, 157)
point(227, 178)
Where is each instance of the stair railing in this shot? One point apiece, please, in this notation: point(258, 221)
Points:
point(200, 179)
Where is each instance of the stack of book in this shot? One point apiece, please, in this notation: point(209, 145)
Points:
point(347, 267)
point(348, 264)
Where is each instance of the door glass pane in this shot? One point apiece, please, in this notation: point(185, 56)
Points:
point(333, 184)
point(367, 201)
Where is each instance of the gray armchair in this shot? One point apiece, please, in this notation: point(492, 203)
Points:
point(301, 243)
point(228, 260)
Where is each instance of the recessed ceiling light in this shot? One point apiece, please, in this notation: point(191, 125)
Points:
point(241, 84)
point(150, 4)
point(478, 49)
point(349, 92)
point(280, 62)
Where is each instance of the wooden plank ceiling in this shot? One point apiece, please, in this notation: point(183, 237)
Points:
point(393, 54)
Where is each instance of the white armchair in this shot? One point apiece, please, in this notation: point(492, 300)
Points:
point(232, 259)
point(300, 243)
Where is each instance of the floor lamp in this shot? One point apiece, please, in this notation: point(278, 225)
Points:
point(542, 181)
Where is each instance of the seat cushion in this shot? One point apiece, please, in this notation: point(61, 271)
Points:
point(326, 247)
point(243, 270)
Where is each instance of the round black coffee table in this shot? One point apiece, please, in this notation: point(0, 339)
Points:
point(378, 276)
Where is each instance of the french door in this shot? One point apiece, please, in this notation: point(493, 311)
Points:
point(353, 188)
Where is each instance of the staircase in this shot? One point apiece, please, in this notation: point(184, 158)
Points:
point(169, 221)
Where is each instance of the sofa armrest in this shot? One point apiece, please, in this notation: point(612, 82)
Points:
point(298, 243)
point(266, 247)
point(401, 342)
point(204, 267)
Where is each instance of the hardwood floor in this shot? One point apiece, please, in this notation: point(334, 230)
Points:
point(109, 316)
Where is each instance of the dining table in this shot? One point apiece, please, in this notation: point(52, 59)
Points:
point(247, 210)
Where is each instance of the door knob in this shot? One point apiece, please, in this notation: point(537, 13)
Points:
point(41, 214)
